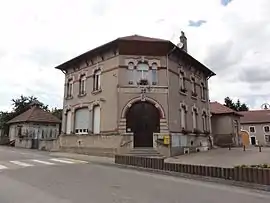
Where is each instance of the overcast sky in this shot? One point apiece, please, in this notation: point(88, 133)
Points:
point(231, 37)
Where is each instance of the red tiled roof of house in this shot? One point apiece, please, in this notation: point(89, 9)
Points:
point(35, 114)
point(217, 108)
point(255, 116)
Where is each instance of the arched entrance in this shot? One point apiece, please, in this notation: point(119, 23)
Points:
point(143, 119)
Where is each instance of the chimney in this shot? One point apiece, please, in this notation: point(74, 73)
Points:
point(183, 42)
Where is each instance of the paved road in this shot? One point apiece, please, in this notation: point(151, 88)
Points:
point(68, 181)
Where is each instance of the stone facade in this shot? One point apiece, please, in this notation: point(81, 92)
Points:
point(102, 86)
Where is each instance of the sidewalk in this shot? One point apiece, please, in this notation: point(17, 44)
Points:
point(93, 159)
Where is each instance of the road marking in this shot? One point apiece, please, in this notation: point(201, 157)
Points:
point(21, 163)
point(43, 162)
point(62, 161)
point(2, 167)
point(76, 161)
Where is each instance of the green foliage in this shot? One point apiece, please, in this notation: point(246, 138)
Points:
point(57, 112)
point(237, 106)
point(253, 166)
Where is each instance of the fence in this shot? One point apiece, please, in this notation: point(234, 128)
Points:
point(244, 174)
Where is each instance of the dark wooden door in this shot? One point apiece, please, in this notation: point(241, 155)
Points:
point(143, 120)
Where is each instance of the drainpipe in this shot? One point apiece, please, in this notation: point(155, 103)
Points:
point(208, 104)
point(168, 85)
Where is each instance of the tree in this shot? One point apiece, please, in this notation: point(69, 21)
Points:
point(24, 103)
point(57, 112)
point(238, 106)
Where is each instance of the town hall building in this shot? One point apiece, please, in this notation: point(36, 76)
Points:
point(134, 93)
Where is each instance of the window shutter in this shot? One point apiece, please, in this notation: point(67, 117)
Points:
point(82, 121)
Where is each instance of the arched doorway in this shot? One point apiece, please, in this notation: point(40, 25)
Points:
point(143, 119)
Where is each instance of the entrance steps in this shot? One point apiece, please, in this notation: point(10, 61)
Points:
point(144, 152)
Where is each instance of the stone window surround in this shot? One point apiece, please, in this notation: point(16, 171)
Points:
point(196, 113)
point(253, 128)
point(135, 61)
point(73, 109)
point(265, 130)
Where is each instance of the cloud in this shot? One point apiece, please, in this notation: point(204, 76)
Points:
point(234, 43)
point(197, 23)
point(225, 2)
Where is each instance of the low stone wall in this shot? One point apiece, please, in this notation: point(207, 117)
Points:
point(49, 145)
point(46, 145)
point(99, 145)
point(243, 174)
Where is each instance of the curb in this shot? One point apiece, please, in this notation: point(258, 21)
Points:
point(189, 176)
point(179, 175)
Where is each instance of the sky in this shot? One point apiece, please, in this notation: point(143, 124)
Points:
point(231, 37)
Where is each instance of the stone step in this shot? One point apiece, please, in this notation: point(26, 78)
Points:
point(145, 152)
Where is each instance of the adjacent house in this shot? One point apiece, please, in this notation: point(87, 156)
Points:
point(136, 92)
point(256, 124)
point(225, 124)
point(35, 128)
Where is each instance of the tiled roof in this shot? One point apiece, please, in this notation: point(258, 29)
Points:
point(142, 38)
point(255, 116)
point(217, 108)
point(35, 114)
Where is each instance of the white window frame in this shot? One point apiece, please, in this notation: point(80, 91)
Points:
point(82, 85)
point(154, 69)
point(97, 80)
point(131, 72)
point(203, 91)
point(268, 135)
point(69, 88)
point(264, 128)
point(183, 116)
point(252, 127)
point(204, 120)
point(195, 118)
point(142, 73)
point(181, 78)
point(94, 129)
point(251, 137)
point(193, 84)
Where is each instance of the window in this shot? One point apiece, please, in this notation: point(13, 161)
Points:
point(96, 121)
point(82, 121)
point(203, 91)
point(131, 73)
point(252, 129)
point(182, 85)
point(194, 93)
point(154, 74)
point(96, 80)
point(142, 73)
point(267, 138)
point(82, 85)
point(194, 117)
point(68, 122)
point(204, 121)
point(183, 116)
point(266, 129)
point(69, 88)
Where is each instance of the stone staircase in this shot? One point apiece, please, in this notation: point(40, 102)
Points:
point(144, 152)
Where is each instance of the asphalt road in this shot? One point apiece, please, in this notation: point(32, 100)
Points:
point(34, 177)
